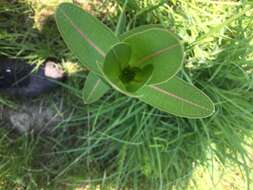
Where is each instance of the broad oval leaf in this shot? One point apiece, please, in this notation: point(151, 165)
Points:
point(177, 97)
point(94, 88)
point(87, 37)
point(158, 47)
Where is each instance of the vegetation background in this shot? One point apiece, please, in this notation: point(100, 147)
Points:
point(119, 142)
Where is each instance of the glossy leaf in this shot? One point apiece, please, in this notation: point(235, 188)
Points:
point(157, 47)
point(94, 88)
point(177, 97)
point(87, 37)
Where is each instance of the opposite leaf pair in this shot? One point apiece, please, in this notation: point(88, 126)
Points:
point(141, 63)
point(142, 59)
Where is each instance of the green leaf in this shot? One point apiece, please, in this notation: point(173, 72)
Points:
point(119, 73)
point(177, 97)
point(87, 37)
point(157, 47)
point(139, 29)
point(116, 60)
point(94, 88)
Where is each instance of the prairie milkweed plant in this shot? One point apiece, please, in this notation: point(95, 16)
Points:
point(141, 63)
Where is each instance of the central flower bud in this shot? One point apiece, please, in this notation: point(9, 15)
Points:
point(128, 74)
point(123, 73)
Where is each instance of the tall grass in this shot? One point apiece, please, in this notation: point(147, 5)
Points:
point(120, 142)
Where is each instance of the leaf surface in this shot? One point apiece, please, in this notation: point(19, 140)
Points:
point(94, 88)
point(117, 69)
point(116, 59)
point(87, 37)
point(177, 97)
point(139, 29)
point(158, 47)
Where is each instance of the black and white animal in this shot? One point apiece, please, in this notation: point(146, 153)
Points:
point(18, 78)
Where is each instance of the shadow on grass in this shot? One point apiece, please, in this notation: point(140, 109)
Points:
point(123, 142)
point(20, 38)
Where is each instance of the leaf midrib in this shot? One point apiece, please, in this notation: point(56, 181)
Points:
point(84, 36)
point(157, 53)
point(177, 97)
point(94, 89)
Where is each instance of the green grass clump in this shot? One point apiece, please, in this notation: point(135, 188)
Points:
point(120, 142)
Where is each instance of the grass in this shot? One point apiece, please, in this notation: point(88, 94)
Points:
point(119, 142)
